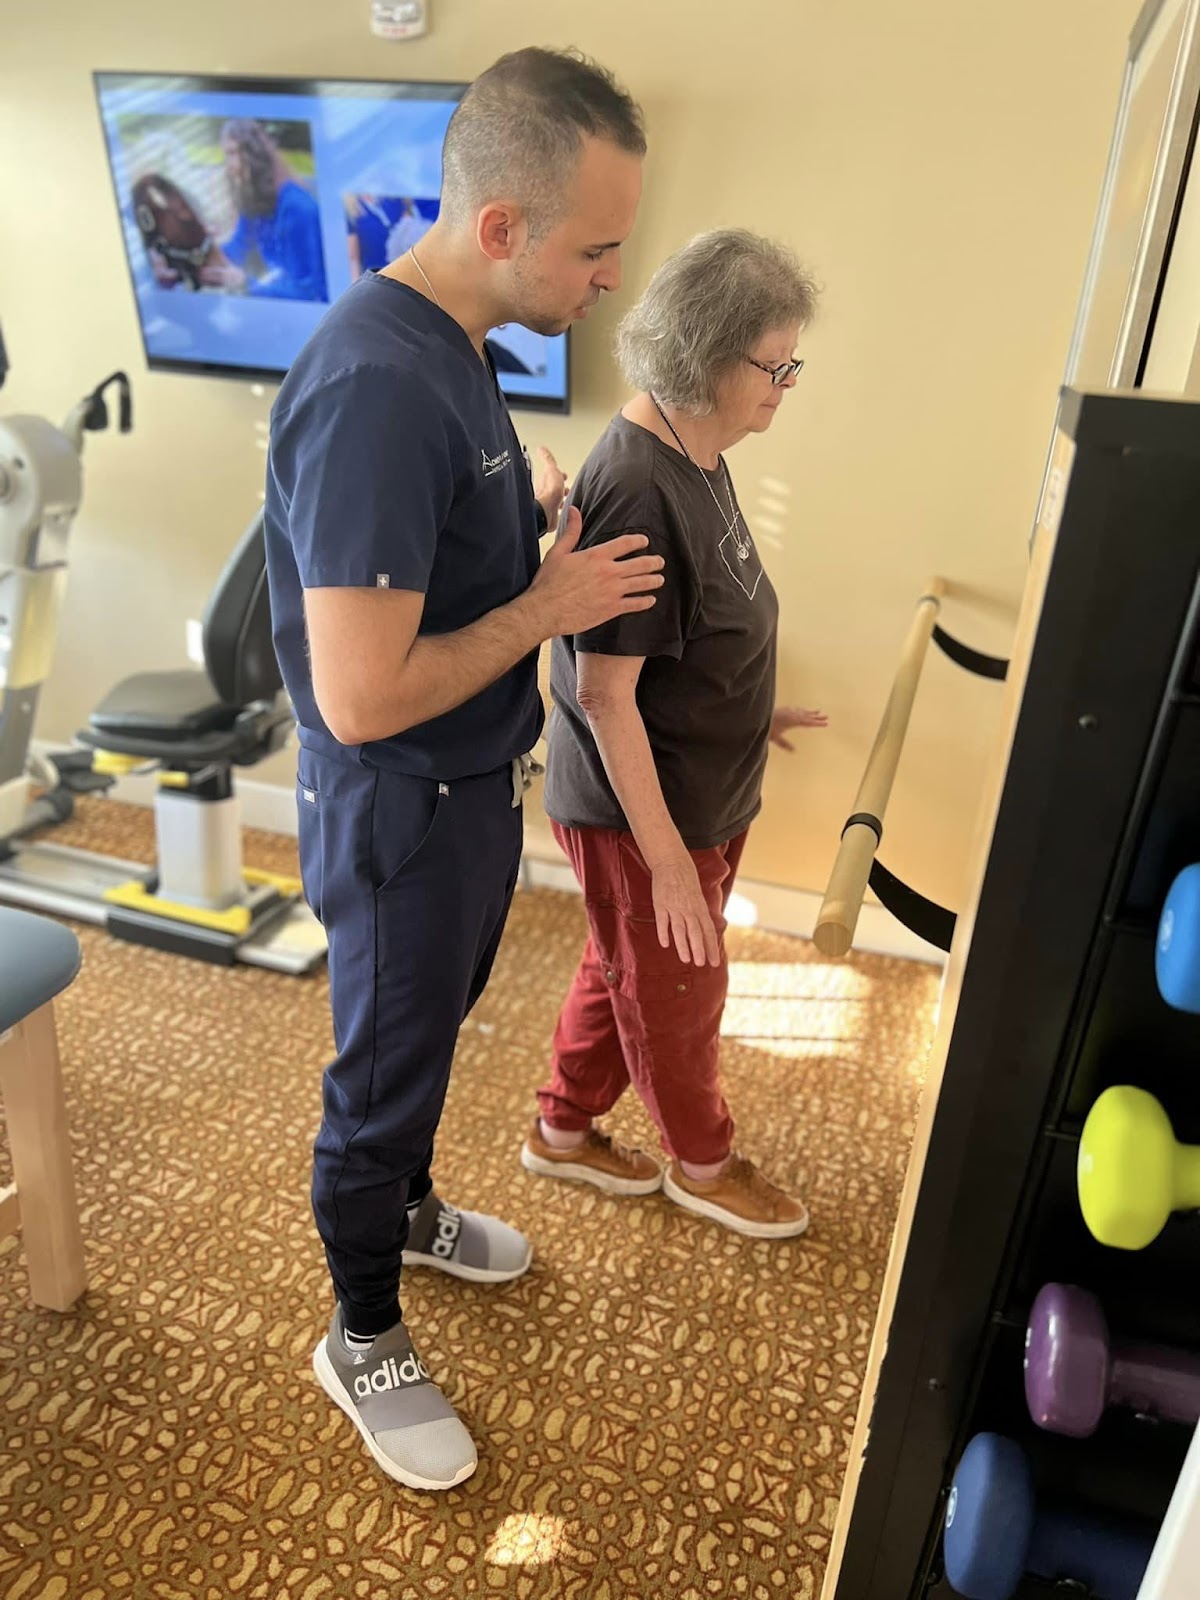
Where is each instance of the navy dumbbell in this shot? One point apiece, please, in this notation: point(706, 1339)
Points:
point(1177, 951)
point(996, 1533)
point(1073, 1371)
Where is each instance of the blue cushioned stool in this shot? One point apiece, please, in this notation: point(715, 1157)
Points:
point(38, 959)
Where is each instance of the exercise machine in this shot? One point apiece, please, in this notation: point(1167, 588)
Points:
point(192, 727)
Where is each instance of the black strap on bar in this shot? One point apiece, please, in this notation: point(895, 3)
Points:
point(868, 820)
point(925, 918)
point(973, 660)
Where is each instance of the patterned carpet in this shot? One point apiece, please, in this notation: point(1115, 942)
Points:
point(661, 1408)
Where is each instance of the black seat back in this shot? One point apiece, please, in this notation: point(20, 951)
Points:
point(239, 653)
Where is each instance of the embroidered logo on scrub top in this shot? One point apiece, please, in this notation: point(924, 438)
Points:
point(494, 464)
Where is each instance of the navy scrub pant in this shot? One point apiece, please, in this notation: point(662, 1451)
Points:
point(412, 880)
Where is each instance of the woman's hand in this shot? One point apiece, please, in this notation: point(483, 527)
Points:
point(549, 486)
point(164, 274)
point(785, 718)
point(682, 913)
point(221, 273)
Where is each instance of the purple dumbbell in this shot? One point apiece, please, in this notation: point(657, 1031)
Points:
point(1072, 1372)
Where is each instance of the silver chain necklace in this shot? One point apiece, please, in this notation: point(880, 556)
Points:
point(439, 305)
point(742, 546)
point(427, 283)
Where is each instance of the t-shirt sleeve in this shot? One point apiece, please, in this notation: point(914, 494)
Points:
point(364, 463)
point(662, 630)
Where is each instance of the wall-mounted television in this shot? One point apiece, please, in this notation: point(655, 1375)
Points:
point(247, 205)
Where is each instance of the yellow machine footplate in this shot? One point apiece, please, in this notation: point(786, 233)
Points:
point(279, 881)
point(134, 896)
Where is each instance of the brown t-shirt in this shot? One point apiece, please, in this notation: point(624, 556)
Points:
point(707, 689)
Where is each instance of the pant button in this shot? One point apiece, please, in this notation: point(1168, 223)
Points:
point(681, 988)
point(610, 977)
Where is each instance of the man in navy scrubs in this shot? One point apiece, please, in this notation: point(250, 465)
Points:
point(408, 603)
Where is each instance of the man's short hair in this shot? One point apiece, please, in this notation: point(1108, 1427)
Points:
point(518, 133)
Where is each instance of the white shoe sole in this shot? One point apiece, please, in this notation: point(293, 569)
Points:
point(729, 1219)
point(334, 1388)
point(576, 1172)
point(456, 1269)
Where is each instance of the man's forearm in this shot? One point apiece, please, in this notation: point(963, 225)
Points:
point(443, 670)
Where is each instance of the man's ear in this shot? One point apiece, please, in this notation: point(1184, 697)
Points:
point(501, 230)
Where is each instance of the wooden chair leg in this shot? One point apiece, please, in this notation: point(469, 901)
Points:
point(36, 1113)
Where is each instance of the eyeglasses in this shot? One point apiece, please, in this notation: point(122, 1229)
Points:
point(779, 374)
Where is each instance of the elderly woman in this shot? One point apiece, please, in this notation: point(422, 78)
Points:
point(659, 737)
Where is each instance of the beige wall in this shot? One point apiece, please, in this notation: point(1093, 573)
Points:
point(937, 163)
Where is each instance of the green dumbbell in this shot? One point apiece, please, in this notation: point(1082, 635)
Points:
point(1133, 1172)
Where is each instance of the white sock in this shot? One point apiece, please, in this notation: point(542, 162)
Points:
point(358, 1341)
point(561, 1138)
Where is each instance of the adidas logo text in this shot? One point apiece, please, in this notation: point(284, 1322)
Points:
point(389, 1375)
point(449, 1226)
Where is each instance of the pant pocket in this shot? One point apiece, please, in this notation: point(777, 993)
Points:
point(683, 989)
point(404, 818)
point(627, 945)
point(634, 881)
point(308, 831)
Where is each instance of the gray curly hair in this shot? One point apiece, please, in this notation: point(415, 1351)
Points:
point(705, 309)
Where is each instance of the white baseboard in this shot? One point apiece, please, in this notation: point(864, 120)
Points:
point(771, 906)
point(268, 806)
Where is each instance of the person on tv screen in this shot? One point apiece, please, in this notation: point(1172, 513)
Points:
point(382, 227)
point(506, 359)
point(179, 243)
point(275, 250)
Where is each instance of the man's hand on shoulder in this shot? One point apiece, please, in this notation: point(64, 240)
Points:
point(576, 590)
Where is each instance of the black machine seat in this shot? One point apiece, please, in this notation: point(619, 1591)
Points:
point(228, 713)
point(163, 705)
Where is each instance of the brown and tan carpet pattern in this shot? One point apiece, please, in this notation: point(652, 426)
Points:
point(661, 1408)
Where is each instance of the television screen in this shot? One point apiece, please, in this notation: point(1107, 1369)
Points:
point(248, 205)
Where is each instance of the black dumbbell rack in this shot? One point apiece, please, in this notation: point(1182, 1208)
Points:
point(1100, 808)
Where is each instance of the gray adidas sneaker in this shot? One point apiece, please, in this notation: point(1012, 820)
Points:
point(406, 1422)
point(465, 1244)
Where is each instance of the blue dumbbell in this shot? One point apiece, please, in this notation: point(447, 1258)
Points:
point(995, 1533)
point(1177, 953)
